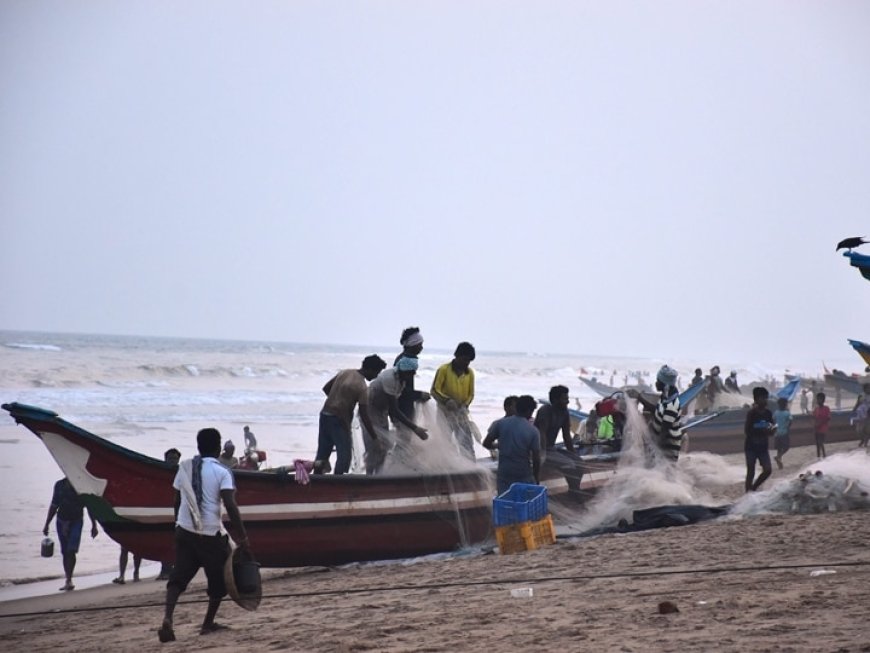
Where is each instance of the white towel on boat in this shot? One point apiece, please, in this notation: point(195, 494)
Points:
point(185, 474)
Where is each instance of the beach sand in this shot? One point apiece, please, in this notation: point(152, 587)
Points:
point(738, 585)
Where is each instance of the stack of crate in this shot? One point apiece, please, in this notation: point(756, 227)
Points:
point(522, 520)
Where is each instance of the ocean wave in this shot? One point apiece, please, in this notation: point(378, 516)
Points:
point(134, 384)
point(188, 370)
point(160, 397)
point(34, 346)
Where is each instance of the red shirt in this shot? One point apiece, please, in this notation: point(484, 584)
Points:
point(823, 418)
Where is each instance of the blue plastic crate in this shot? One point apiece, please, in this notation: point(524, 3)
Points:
point(521, 503)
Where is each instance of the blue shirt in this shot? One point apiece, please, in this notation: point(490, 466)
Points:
point(782, 419)
point(517, 438)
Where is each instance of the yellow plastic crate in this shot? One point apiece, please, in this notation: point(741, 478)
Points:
point(526, 536)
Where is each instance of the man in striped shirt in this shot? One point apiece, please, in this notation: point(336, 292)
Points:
point(666, 426)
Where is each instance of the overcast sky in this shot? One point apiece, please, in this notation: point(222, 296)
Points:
point(639, 178)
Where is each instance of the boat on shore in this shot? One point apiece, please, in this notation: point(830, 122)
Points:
point(841, 382)
point(725, 433)
point(330, 520)
point(722, 431)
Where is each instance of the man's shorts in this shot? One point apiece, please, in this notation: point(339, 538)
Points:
point(193, 551)
point(70, 535)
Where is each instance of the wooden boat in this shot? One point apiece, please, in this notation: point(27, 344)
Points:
point(724, 434)
point(332, 520)
point(862, 349)
point(842, 382)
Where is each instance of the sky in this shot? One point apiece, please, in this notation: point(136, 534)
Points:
point(613, 178)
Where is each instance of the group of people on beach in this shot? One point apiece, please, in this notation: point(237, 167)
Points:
point(390, 397)
point(525, 439)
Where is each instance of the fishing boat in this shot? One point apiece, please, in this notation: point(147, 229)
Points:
point(860, 261)
point(331, 520)
point(722, 431)
point(725, 434)
point(862, 349)
point(842, 382)
point(608, 390)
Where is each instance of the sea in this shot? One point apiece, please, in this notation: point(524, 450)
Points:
point(152, 393)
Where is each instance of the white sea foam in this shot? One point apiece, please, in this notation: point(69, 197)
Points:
point(32, 346)
point(644, 479)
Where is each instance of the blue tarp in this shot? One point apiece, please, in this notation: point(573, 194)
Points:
point(789, 390)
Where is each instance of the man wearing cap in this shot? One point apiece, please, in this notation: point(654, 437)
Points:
point(666, 418)
point(344, 392)
point(666, 427)
point(383, 406)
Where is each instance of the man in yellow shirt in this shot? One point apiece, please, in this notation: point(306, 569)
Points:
point(453, 390)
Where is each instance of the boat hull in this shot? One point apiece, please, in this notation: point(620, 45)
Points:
point(725, 435)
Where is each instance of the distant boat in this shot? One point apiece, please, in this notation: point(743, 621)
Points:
point(606, 390)
point(845, 382)
point(860, 261)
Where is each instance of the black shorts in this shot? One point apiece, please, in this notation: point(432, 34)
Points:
point(193, 552)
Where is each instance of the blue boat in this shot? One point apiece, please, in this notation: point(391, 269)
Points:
point(860, 261)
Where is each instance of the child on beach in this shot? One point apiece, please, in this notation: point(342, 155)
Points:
point(759, 425)
point(782, 418)
point(822, 416)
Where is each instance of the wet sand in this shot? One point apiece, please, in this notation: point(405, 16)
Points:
point(738, 585)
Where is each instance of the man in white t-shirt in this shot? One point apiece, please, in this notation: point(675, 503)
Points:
point(200, 485)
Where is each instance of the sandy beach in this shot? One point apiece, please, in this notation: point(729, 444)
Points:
point(738, 584)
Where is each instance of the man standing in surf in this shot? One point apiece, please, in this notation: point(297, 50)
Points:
point(66, 504)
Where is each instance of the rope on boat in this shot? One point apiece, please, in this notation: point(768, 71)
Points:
point(469, 583)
